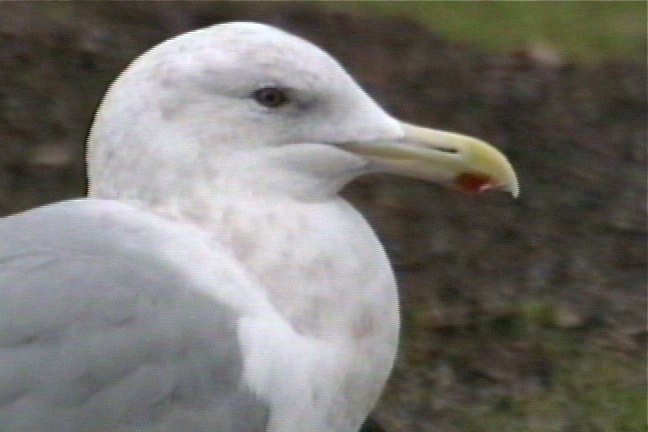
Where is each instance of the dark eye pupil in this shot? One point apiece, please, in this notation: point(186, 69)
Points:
point(271, 97)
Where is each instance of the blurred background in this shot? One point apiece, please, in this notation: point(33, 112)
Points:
point(518, 315)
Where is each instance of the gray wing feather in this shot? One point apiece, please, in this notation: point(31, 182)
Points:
point(100, 333)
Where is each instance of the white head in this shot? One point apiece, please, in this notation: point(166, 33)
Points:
point(245, 107)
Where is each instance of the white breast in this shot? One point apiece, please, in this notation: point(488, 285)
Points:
point(336, 322)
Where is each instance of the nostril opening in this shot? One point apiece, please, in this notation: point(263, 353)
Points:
point(446, 150)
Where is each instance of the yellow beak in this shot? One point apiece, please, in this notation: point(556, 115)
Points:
point(442, 157)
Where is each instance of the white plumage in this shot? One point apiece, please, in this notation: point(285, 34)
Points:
point(214, 280)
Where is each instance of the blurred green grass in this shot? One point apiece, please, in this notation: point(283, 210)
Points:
point(589, 386)
point(593, 390)
point(588, 31)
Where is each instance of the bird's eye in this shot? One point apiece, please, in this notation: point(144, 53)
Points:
point(271, 97)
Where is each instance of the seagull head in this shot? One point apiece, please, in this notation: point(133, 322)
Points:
point(245, 107)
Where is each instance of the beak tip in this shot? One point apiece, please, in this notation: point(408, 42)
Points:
point(514, 184)
point(515, 192)
point(513, 187)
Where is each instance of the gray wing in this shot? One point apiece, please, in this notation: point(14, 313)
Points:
point(98, 332)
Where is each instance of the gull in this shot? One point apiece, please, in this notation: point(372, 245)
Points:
point(213, 279)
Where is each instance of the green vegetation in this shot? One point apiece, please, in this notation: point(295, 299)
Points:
point(572, 380)
point(593, 390)
point(579, 30)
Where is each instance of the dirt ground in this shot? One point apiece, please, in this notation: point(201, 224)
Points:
point(520, 315)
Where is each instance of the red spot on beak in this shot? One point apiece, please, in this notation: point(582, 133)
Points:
point(470, 182)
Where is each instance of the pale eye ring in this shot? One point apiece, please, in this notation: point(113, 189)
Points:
point(270, 97)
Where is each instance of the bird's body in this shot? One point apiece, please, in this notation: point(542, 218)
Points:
point(333, 295)
point(106, 327)
point(214, 280)
point(73, 337)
